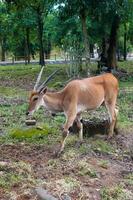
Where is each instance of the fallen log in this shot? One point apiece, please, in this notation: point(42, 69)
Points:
point(91, 128)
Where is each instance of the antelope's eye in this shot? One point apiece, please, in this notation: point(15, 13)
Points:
point(35, 99)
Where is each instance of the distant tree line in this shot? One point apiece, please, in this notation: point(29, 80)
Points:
point(28, 27)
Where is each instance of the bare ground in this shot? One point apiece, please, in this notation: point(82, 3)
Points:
point(79, 175)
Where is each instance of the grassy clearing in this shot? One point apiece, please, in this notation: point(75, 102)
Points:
point(13, 116)
point(26, 75)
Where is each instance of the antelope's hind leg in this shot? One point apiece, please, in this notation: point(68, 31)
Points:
point(110, 105)
point(80, 126)
point(116, 130)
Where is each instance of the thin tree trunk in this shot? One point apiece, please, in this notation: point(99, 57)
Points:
point(85, 37)
point(25, 50)
point(40, 38)
point(28, 44)
point(111, 59)
point(92, 50)
point(125, 42)
point(104, 47)
point(103, 55)
point(48, 50)
point(3, 50)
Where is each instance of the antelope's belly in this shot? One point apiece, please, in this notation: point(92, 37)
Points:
point(81, 108)
point(91, 105)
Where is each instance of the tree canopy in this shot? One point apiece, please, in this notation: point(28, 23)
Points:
point(29, 28)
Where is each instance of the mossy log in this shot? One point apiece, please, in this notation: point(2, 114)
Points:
point(91, 128)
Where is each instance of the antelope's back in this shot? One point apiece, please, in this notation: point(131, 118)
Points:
point(95, 87)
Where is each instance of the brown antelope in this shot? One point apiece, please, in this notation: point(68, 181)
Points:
point(76, 97)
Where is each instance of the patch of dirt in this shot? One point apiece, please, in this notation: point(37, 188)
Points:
point(77, 175)
point(26, 83)
point(11, 101)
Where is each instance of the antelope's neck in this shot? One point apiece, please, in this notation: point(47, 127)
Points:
point(53, 101)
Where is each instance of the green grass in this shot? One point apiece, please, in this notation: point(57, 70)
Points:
point(102, 146)
point(12, 92)
point(116, 193)
point(104, 164)
point(9, 179)
point(125, 102)
point(129, 179)
point(126, 65)
point(30, 73)
point(126, 84)
point(15, 173)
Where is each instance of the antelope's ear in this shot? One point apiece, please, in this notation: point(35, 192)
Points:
point(43, 90)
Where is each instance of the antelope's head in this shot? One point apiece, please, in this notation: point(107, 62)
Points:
point(36, 96)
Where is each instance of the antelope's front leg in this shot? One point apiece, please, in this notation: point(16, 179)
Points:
point(69, 122)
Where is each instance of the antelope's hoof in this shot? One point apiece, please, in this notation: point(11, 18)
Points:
point(57, 154)
point(109, 137)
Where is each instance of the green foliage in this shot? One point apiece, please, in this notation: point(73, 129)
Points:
point(62, 25)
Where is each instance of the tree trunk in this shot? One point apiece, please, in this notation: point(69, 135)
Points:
point(103, 56)
point(92, 50)
point(111, 59)
point(3, 49)
point(40, 38)
point(28, 44)
point(48, 47)
point(125, 42)
point(85, 37)
point(104, 47)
